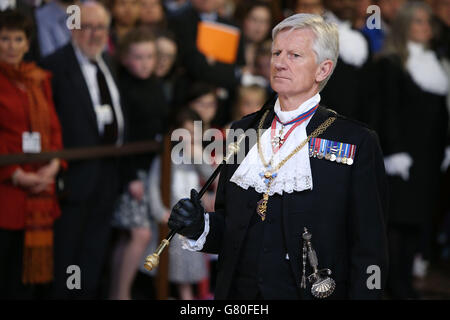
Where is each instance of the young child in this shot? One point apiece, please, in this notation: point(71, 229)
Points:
point(146, 112)
point(166, 48)
point(202, 98)
point(186, 268)
point(249, 100)
point(125, 16)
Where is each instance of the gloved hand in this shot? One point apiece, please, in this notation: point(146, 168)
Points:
point(187, 217)
point(446, 162)
point(398, 164)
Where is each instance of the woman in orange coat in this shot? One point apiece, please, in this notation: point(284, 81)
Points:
point(28, 202)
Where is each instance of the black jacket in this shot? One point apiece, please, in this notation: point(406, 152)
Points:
point(345, 212)
point(78, 121)
point(146, 110)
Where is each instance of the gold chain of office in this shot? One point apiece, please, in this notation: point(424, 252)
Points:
point(262, 204)
point(319, 130)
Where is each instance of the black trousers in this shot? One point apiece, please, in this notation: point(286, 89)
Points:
point(82, 235)
point(11, 265)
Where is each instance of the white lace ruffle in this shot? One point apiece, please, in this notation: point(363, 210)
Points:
point(295, 175)
point(426, 70)
point(197, 245)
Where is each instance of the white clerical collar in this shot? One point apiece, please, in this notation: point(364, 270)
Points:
point(425, 69)
point(286, 116)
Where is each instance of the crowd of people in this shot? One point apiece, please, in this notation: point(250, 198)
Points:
point(133, 72)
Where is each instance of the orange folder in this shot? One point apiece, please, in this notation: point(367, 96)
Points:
point(218, 40)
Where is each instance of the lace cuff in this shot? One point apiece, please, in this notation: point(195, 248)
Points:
point(197, 245)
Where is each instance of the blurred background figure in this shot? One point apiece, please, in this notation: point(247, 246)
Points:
point(374, 36)
point(308, 6)
point(28, 9)
point(388, 12)
point(441, 18)
point(174, 6)
point(197, 66)
point(186, 268)
point(202, 99)
point(249, 100)
point(166, 68)
point(153, 14)
point(256, 25)
point(146, 108)
point(414, 119)
point(441, 44)
point(262, 63)
point(226, 9)
point(88, 104)
point(125, 16)
point(353, 56)
point(51, 20)
point(29, 204)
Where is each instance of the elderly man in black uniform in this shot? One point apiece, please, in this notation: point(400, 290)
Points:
point(310, 194)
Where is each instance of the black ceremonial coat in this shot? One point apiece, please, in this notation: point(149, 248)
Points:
point(345, 212)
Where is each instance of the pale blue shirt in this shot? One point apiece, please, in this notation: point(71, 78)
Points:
point(52, 29)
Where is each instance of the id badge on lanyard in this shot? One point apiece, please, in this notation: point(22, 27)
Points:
point(31, 142)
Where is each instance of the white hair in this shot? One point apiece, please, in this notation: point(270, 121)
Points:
point(326, 42)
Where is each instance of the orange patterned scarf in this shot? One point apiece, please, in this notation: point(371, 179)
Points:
point(40, 208)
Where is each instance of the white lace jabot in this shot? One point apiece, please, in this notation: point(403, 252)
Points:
point(295, 175)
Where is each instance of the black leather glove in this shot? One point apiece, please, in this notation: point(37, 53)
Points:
point(187, 217)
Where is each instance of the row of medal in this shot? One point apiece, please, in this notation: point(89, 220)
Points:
point(332, 150)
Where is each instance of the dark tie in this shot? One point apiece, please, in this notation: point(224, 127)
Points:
point(110, 131)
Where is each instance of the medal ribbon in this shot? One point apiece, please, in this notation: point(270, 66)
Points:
point(297, 121)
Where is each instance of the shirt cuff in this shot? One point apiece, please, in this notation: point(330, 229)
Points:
point(197, 245)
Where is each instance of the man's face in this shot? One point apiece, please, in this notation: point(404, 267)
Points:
point(293, 65)
point(343, 9)
point(309, 6)
point(93, 35)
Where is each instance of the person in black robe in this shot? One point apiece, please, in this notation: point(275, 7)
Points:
point(353, 58)
point(264, 215)
point(412, 124)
